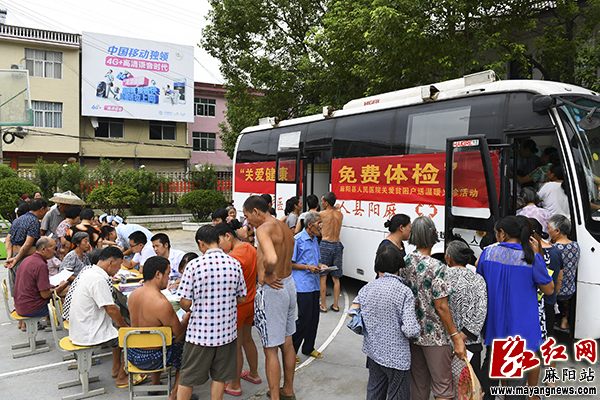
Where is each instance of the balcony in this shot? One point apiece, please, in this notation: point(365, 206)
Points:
point(40, 35)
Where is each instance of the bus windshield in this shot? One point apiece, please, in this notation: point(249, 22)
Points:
point(586, 144)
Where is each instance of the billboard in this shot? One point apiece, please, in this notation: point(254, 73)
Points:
point(137, 79)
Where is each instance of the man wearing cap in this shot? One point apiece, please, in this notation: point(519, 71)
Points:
point(57, 214)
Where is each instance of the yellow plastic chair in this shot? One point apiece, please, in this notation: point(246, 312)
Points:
point(144, 338)
point(32, 330)
point(58, 307)
point(84, 362)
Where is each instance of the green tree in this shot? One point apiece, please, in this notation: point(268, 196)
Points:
point(7, 172)
point(145, 182)
point(204, 177)
point(304, 55)
point(11, 190)
point(111, 198)
point(202, 202)
point(46, 177)
point(75, 178)
point(108, 171)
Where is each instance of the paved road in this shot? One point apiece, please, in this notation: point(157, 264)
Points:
point(341, 374)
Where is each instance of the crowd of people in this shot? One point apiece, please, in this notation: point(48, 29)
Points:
point(272, 274)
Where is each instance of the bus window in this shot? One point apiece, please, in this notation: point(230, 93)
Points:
point(254, 147)
point(363, 135)
point(520, 113)
point(427, 132)
point(586, 149)
point(320, 134)
point(286, 169)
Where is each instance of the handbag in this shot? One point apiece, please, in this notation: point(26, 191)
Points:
point(466, 384)
point(356, 325)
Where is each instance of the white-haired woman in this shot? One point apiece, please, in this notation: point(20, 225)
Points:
point(77, 258)
point(431, 353)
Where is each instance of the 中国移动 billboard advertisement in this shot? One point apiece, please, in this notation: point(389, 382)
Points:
point(137, 79)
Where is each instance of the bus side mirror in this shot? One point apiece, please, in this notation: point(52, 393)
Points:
point(541, 103)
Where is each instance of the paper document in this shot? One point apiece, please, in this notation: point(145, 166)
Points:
point(61, 276)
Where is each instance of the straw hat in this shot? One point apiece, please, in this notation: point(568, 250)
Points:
point(68, 198)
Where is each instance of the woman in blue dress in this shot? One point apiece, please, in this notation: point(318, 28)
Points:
point(513, 272)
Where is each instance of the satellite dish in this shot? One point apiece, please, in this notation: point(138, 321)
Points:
point(590, 122)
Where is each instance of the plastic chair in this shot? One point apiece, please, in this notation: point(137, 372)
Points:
point(145, 338)
point(84, 362)
point(58, 307)
point(32, 330)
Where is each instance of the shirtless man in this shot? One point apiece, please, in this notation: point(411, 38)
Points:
point(149, 307)
point(332, 249)
point(275, 301)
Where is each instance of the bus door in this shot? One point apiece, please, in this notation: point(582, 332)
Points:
point(317, 173)
point(288, 175)
point(471, 189)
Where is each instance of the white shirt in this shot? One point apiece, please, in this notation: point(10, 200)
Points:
point(147, 252)
point(89, 322)
point(554, 199)
point(175, 257)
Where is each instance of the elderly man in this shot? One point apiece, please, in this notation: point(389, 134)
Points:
point(57, 214)
point(32, 286)
point(305, 270)
point(24, 232)
point(91, 310)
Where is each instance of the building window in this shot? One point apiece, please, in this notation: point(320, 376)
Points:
point(161, 130)
point(109, 128)
point(202, 141)
point(47, 115)
point(205, 107)
point(44, 64)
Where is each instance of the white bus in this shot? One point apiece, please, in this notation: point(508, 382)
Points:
point(387, 154)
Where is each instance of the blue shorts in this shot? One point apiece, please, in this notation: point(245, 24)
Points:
point(331, 255)
point(153, 359)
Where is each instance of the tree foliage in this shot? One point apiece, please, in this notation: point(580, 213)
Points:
point(46, 177)
point(112, 198)
point(204, 177)
point(289, 59)
point(202, 203)
point(11, 190)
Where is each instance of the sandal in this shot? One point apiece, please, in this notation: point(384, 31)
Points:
point(334, 309)
point(246, 376)
point(137, 379)
point(315, 354)
point(297, 359)
point(230, 392)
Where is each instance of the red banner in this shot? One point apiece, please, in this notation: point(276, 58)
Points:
point(256, 177)
point(414, 179)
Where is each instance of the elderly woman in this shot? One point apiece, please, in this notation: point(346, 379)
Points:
point(513, 272)
point(531, 210)
point(77, 258)
point(468, 300)
point(431, 353)
point(559, 227)
point(388, 311)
